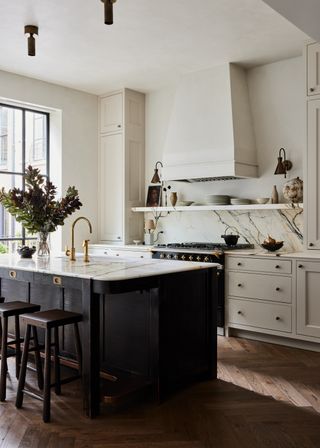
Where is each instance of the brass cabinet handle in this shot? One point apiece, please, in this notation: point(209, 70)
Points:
point(311, 244)
point(312, 89)
point(239, 312)
point(277, 266)
point(12, 274)
point(278, 318)
point(300, 266)
point(239, 264)
point(277, 289)
point(239, 284)
point(57, 281)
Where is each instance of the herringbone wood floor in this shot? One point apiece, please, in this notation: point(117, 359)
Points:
point(267, 396)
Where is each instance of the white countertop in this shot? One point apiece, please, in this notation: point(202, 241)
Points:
point(101, 268)
point(130, 247)
point(315, 255)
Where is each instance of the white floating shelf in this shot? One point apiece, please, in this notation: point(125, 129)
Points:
point(199, 208)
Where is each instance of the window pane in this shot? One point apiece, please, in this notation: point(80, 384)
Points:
point(36, 141)
point(10, 139)
point(9, 228)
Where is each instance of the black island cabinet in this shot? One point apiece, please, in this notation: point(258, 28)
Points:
point(157, 330)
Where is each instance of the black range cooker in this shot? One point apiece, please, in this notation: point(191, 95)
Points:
point(202, 252)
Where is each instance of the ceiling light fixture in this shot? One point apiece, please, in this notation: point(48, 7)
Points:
point(108, 11)
point(283, 165)
point(31, 30)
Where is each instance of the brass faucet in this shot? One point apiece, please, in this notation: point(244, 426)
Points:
point(72, 252)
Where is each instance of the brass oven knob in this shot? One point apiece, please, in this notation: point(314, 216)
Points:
point(198, 258)
point(206, 259)
point(168, 256)
point(191, 257)
point(162, 255)
point(176, 257)
point(183, 257)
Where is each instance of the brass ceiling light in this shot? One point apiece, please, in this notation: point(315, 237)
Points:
point(108, 11)
point(31, 30)
point(156, 178)
point(283, 165)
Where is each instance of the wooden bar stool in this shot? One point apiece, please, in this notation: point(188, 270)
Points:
point(48, 320)
point(10, 309)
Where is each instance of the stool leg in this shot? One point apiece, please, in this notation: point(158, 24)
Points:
point(78, 346)
point(47, 377)
point(57, 383)
point(23, 370)
point(37, 357)
point(3, 370)
point(18, 346)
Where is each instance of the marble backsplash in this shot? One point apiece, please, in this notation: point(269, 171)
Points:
point(253, 226)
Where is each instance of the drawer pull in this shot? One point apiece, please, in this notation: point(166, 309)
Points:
point(277, 289)
point(57, 281)
point(312, 89)
point(300, 266)
point(239, 264)
point(239, 284)
point(278, 318)
point(277, 266)
point(12, 274)
point(239, 312)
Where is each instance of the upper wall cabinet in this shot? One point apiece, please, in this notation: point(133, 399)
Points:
point(313, 69)
point(121, 166)
point(111, 113)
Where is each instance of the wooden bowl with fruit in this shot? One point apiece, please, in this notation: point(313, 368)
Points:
point(271, 244)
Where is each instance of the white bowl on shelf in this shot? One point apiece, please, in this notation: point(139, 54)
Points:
point(262, 200)
point(184, 203)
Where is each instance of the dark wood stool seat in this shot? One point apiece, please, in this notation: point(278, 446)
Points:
point(48, 320)
point(15, 309)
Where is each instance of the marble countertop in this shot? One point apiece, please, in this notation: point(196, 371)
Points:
point(130, 247)
point(101, 268)
point(262, 253)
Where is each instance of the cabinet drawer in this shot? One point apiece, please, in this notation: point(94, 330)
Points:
point(259, 264)
point(260, 315)
point(259, 286)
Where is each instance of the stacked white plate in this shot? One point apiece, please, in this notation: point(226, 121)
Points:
point(218, 199)
point(240, 201)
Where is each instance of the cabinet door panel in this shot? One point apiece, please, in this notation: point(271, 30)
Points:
point(313, 169)
point(308, 302)
point(111, 188)
point(111, 113)
point(313, 68)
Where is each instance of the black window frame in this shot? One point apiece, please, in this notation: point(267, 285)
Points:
point(24, 109)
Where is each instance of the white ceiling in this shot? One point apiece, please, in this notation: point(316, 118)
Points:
point(151, 43)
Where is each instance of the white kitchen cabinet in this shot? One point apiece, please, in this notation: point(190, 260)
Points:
point(313, 69)
point(121, 163)
point(308, 298)
point(111, 112)
point(111, 187)
point(312, 233)
point(259, 293)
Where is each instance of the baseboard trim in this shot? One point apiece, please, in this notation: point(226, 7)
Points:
point(296, 343)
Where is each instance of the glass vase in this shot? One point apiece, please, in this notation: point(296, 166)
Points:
point(43, 247)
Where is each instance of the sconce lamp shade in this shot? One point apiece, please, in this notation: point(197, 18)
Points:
point(149, 224)
point(156, 178)
point(283, 164)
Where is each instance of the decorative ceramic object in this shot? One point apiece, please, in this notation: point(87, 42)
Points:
point(26, 251)
point(173, 198)
point(293, 190)
point(274, 195)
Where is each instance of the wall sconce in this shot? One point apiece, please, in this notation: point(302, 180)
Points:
point(108, 11)
point(31, 30)
point(283, 165)
point(156, 178)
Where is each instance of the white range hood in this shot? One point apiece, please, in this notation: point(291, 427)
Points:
point(210, 134)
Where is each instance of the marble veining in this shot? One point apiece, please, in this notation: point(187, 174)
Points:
point(101, 268)
point(252, 225)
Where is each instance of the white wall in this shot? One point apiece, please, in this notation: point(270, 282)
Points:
point(277, 100)
point(74, 142)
